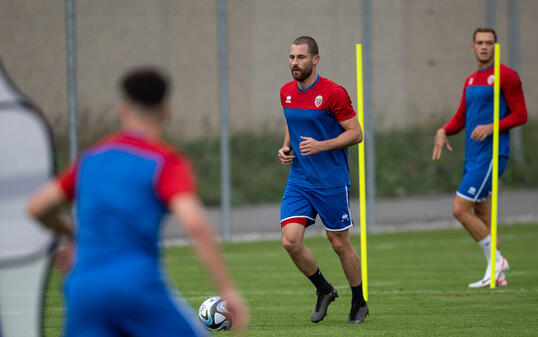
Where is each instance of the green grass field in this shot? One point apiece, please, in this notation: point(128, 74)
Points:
point(417, 286)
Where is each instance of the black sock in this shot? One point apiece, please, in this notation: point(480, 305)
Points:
point(320, 282)
point(357, 296)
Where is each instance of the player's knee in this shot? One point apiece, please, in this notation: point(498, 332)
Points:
point(458, 210)
point(291, 245)
point(339, 246)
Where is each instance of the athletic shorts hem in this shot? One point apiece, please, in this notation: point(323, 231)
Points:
point(301, 220)
point(471, 199)
point(297, 216)
point(338, 229)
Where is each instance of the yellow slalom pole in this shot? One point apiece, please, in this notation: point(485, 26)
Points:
point(362, 183)
point(495, 173)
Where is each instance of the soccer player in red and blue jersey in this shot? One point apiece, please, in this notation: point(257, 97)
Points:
point(472, 203)
point(321, 124)
point(122, 187)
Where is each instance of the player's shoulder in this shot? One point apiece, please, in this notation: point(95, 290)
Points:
point(331, 88)
point(137, 143)
point(289, 86)
point(508, 74)
point(167, 151)
point(327, 84)
point(175, 156)
point(110, 138)
point(507, 70)
point(101, 143)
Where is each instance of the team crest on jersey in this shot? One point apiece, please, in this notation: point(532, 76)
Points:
point(491, 79)
point(318, 101)
point(471, 80)
point(288, 99)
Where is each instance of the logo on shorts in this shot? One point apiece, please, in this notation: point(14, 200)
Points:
point(345, 218)
point(491, 79)
point(471, 190)
point(318, 101)
point(288, 99)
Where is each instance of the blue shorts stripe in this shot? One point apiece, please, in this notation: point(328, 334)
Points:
point(488, 175)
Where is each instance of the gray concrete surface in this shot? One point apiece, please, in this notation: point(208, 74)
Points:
point(414, 213)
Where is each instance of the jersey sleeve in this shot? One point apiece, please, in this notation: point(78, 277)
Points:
point(66, 180)
point(513, 95)
point(177, 177)
point(457, 122)
point(340, 104)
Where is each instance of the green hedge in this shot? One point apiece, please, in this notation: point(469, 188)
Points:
point(403, 164)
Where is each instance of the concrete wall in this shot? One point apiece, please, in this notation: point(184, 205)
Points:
point(420, 55)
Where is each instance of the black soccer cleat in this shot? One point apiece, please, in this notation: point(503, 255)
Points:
point(322, 304)
point(358, 313)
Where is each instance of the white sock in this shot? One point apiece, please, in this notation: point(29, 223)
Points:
point(486, 248)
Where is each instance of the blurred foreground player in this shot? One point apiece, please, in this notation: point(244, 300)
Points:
point(122, 187)
point(321, 124)
point(472, 203)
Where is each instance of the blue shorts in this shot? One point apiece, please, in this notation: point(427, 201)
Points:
point(476, 181)
point(302, 204)
point(125, 300)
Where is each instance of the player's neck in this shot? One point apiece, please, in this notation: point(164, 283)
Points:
point(143, 127)
point(484, 65)
point(308, 81)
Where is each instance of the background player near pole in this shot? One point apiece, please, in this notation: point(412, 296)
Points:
point(472, 203)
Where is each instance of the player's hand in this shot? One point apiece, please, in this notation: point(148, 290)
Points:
point(441, 140)
point(481, 132)
point(284, 155)
point(237, 307)
point(309, 146)
point(63, 257)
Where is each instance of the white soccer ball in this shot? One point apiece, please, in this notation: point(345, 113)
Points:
point(213, 314)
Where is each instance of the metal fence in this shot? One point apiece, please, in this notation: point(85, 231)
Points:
point(229, 58)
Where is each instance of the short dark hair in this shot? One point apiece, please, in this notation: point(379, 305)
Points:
point(146, 86)
point(312, 45)
point(484, 29)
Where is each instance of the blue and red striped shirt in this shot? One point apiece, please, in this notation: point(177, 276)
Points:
point(121, 187)
point(316, 112)
point(476, 108)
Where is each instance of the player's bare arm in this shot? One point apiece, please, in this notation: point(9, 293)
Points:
point(189, 210)
point(284, 152)
point(352, 135)
point(45, 207)
point(441, 140)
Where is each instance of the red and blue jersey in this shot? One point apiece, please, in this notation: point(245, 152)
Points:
point(121, 187)
point(476, 108)
point(316, 112)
